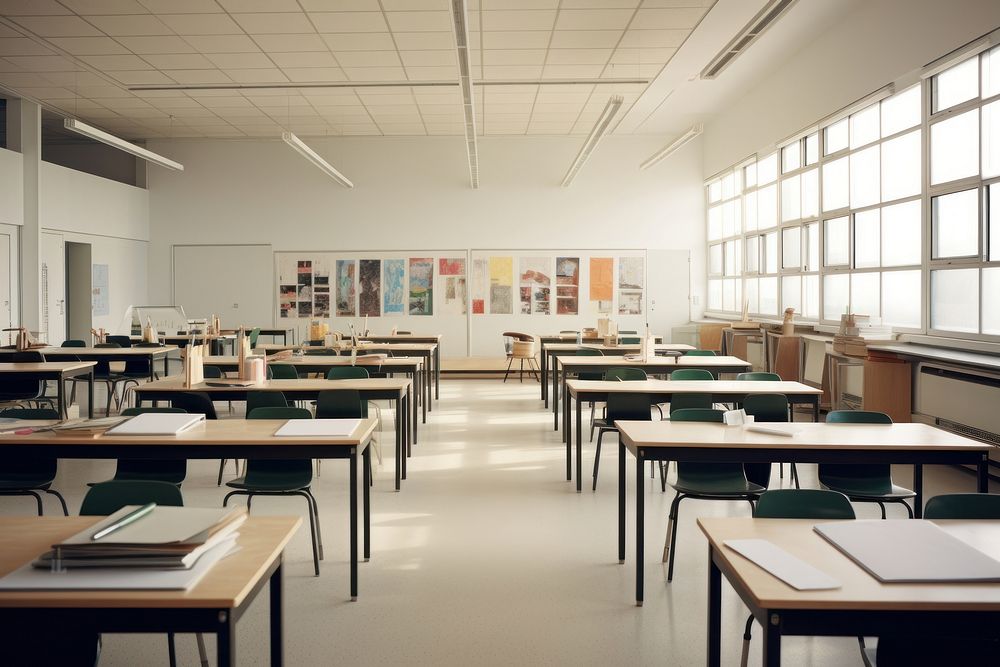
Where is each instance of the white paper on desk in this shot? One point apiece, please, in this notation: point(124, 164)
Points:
point(330, 428)
point(157, 423)
point(28, 578)
point(772, 429)
point(792, 570)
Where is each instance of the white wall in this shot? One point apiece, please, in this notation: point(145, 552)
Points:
point(11, 188)
point(878, 43)
point(412, 194)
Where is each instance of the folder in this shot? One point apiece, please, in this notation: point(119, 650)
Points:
point(157, 423)
point(330, 428)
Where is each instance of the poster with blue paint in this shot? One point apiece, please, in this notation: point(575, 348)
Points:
point(393, 286)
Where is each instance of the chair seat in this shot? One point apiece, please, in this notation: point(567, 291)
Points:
point(275, 484)
point(717, 486)
point(873, 490)
point(15, 484)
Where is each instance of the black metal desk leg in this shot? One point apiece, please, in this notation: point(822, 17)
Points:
point(90, 394)
point(579, 439)
point(398, 441)
point(545, 376)
point(983, 475)
point(61, 398)
point(410, 409)
point(366, 499)
point(555, 393)
point(437, 371)
point(918, 488)
point(621, 502)
point(714, 612)
point(816, 409)
point(426, 397)
point(226, 639)
point(640, 532)
point(354, 522)
point(407, 406)
point(772, 640)
point(277, 616)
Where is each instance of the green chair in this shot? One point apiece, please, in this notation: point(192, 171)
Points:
point(282, 372)
point(699, 353)
point(265, 399)
point(341, 404)
point(169, 471)
point(27, 391)
point(689, 401)
point(281, 477)
point(589, 352)
point(29, 477)
point(630, 340)
point(254, 335)
point(625, 374)
point(705, 481)
point(817, 504)
point(863, 482)
point(759, 376)
point(621, 406)
point(347, 373)
point(766, 408)
point(103, 373)
point(963, 506)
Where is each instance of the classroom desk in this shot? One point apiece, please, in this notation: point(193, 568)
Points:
point(417, 338)
point(321, 363)
point(862, 606)
point(218, 439)
point(271, 332)
point(308, 389)
point(662, 391)
point(110, 354)
point(215, 341)
point(213, 606)
point(658, 366)
point(59, 371)
point(552, 350)
point(913, 443)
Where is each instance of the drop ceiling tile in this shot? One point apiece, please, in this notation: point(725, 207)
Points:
point(424, 41)
point(197, 76)
point(156, 44)
point(88, 46)
point(558, 107)
point(31, 8)
point(654, 38)
point(384, 97)
point(290, 43)
point(500, 108)
point(419, 21)
point(148, 115)
point(274, 24)
point(359, 130)
point(174, 102)
point(132, 24)
point(578, 56)
point(41, 63)
point(432, 73)
point(549, 128)
point(668, 19)
point(103, 91)
point(242, 114)
point(140, 77)
point(314, 74)
point(546, 117)
point(503, 72)
point(201, 24)
point(593, 19)
point(340, 5)
point(402, 129)
point(8, 32)
point(58, 26)
point(74, 79)
point(585, 39)
point(416, 5)
point(22, 46)
point(440, 58)
point(121, 62)
point(237, 6)
point(231, 101)
point(240, 60)
point(512, 4)
point(519, 20)
point(222, 44)
point(304, 59)
point(332, 98)
point(377, 41)
point(507, 117)
point(28, 83)
point(103, 7)
point(368, 59)
point(572, 71)
point(437, 96)
point(181, 6)
point(334, 22)
point(260, 75)
point(642, 56)
point(516, 39)
point(180, 61)
point(514, 57)
point(445, 129)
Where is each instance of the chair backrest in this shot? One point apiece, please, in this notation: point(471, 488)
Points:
point(517, 335)
point(569, 331)
point(589, 352)
point(622, 332)
point(30, 413)
point(629, 340)
point(692, 374)
point(108, 497)
point(699, 353)
point(697, 415)
point(759, 376)
point(122, 341)
point(803, 504)
point(107, 345)
point(625, 374)
point(963, 506)
point(132, 412)
point(27, 357)
point(73, 342)
point(767, 407)
point(212, 372)
point(404, 333)
point(857, 417)
point(341, 404)
point(347, 373)
point(254, 335)
point(265, 399)
point(278, 412)
point(282, 372)
point(195, 402)
point(628, 405)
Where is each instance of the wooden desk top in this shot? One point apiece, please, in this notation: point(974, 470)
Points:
point(226, 585)
point(323, 360)
point(676, 362)
point(44, 366)
point(234, 432)
point(561, 347)
point(693, 386)
point(858, 588)
point(107, 351)
point(403, 337)
point(302, 384)
point(808, 435)
point(402, 347)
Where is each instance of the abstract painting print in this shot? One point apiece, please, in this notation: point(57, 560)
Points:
point(602, 283)
point(369, 280)
point(421, 286)
point(346, 288)
point(452, 272)
point(501, 285)
point(479, 282)
point(393, 290)
point(567, 285)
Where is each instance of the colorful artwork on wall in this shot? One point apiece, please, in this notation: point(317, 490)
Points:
point(631, 272)
point(393, 286)
point(452, 272)
point(567, 285)
point(369, 281)
point(536, 285)
point(346, 288)
point(421, 286)
point(602, 283)
point(479, 282)
point(501, 285)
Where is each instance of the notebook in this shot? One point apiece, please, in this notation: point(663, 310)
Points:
point(298, 428)
point(792, 570)
point(157, 423)
point(909, 551)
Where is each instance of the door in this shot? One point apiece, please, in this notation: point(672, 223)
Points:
point(52, 320)
point(668, 274)
point(79, 294)
point(5, 287)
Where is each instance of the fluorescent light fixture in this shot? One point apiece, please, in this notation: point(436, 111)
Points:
point(771, 12)
point(317, 161)
point(666, 151)
point(111, 140)
point(594, 138)
point(460, 19)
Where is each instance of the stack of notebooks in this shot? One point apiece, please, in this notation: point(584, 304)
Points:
point(136, 548)
point(854, 334)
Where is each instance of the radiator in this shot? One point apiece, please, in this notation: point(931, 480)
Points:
point(961, 400)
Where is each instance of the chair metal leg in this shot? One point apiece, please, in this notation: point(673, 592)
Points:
point(62, 501)
point(312, 533)
point(202, 653)
point(667, 542)
point(882, 507)
point(509, 363)
point(664, 469)
point(746, 642)
point(38, 501)
point(673, 538)
point(171, 649)
point(315, 510)
point(597, 456)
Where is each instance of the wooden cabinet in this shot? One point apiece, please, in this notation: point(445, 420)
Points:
point(887, 387)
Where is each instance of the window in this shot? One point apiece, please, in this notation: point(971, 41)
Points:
point(866, 239)
point(955, 148)
point(955, 85)
point(901, 299)
point(836, 185)
point(991, 139)
point(993, 220)
point(838, 248)
point(991, 72)
point(901, 112)
point(901, 234)
point(791, 248)
point(812, 148)
point(865, 177)
point(901, 167)
point(865, 126)
point(767, 207)
point(767, 169)
point(791, 198)
point(991, 303)
point(955, 224)
point(791, 157)
point(955, 300)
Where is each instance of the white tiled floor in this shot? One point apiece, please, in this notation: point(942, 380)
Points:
point(487, 556)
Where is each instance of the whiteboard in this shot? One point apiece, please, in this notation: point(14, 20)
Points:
point(234, 282)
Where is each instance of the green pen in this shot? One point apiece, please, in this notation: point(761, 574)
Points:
point(129, 518)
